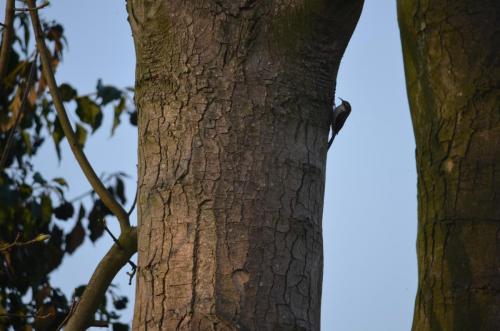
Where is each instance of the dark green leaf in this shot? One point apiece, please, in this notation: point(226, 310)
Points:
point(96, 216)
point(89, 112)
point(28, 119)
point(59, 190)
point(81, 135)
point(118, 111)
point(133, 118)
point(120, 327)
point(107, 93)
point(53, 257)
point(75, 238)
point(27, 142)
point(120, 190)
point(64, 211)
point(54, 31)
point(46, 208)
point(96, 228)
point(25, 191)
point(26, 216)
point(60, 181)
point(46, 108)
point(57, 136)
point(37, 177)
point(79, 291)
point(120, 303)
point(67, 92)
point(81, 213)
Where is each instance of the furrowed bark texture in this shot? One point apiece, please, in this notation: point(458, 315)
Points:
point(233, 100)
point(451, 59)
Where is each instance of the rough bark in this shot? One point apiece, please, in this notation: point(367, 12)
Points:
point(451, 60)
point(233, 99)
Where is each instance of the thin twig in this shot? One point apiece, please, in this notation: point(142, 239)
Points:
point(99, 324)
point(132, 272)
point(7, 37)
point(133, 204)
point(81, 196)
point(48, 315)
point(85, 165)
point(18, 243)
point(10, 139)
point(43, 5)
point(72, 309)
point(89, 192)
point(132, 264)
point(110, 233)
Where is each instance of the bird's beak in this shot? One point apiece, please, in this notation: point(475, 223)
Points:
point(341, 99)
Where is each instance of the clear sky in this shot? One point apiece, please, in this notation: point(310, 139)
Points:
point(370, 214)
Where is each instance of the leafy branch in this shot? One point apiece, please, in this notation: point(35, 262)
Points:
point(19, 115)
point(85, 165)
point(126, 244)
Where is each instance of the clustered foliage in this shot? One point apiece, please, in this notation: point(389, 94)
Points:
point(39, 225)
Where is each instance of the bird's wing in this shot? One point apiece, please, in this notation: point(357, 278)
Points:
point(339, 120)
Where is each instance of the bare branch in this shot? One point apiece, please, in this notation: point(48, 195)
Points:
point(119, 255)
point(133, 203)
point(86, 167)
point(72, 308)
point(8, 34)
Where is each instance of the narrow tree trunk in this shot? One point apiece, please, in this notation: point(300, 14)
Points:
point(233, 99)
point(451, 53)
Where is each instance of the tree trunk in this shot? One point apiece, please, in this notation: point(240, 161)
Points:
point(451, 54)
point(233, 99)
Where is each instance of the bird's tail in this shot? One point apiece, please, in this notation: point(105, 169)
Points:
point(330, 142)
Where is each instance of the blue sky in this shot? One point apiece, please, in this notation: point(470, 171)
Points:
point(370, 214)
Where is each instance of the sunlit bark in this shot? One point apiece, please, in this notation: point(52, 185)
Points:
point(234, 99)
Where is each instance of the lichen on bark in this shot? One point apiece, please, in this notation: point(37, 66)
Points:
point(451, 62)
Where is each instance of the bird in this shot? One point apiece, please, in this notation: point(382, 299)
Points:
point(338, 117)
